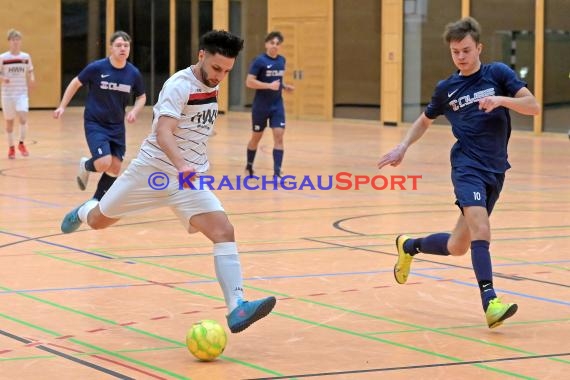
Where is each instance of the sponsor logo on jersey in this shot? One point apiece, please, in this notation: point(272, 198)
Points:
point(274, 73)
point(465, 100)
point(115, 86)
point(205, 117)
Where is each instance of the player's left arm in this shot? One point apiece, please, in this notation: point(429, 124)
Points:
point(140, 101)
point(30, 73)
point(523, 102)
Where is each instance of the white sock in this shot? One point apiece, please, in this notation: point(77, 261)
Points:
point(83, 211)
point(10, 138)
point(228, 271)
point(23, 131)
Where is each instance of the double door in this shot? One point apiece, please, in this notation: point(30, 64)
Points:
point(308, 52)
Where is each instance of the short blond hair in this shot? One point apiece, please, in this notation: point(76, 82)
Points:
point(13, 33)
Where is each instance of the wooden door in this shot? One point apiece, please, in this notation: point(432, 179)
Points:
point(307, 29)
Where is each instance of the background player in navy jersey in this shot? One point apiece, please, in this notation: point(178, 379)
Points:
point(184, 117)
point(16, 79)
point(266, 77)
point(111, 81)
point(476, 100)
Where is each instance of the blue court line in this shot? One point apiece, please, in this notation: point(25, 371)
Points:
point(58, 245)
point(498, 289)
point(317, 275)
point(49, 204)
point(92, 287)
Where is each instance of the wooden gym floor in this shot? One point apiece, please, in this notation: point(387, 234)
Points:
point(117, 303)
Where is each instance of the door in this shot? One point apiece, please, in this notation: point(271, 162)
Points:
point(308, 51)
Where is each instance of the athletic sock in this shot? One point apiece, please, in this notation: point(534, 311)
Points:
point(481, 259)
point(104, 184)
point(435, 244)
point(277, 161)
point(228, 272)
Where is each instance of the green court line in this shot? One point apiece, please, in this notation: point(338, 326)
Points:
point(307, 321)
point(470, 326)
point(91, 346)
point(332, 307)
point(114, 323)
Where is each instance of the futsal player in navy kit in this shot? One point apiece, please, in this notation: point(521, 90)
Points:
point(266, 77)
point(476, 100)
point(111, 81)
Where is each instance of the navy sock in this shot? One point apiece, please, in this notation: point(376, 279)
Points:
point(481, 259)
point(435, 244)
point(89, 165)
point(104, 184)
point(277, 161)
point(250, 158)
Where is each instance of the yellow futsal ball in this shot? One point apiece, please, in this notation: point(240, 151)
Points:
point(206, 340)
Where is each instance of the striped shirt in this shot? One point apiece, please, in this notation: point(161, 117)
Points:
point(195, 106)
point(15, 67)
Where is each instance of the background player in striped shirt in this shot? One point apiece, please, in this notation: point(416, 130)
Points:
point(111, 81)
point(184, 117)
point(17, 77)
point(265, 76)
point(476, 100)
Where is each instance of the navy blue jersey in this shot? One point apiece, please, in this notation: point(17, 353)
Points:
point(267, 70)
point(110, 90)
point(482, 137)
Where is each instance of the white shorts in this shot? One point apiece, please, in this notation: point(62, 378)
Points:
point(132, 194)
point(12, 105)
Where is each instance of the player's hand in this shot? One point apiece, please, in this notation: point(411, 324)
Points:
point(58, 112)
point(186, 176)
point(289, 88)
point(394, 157)
point(489, 103)
point(131, 117)
point(6, 80)
point(275, 85)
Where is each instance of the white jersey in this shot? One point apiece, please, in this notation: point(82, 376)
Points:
point(15, 67)
point(195, 106)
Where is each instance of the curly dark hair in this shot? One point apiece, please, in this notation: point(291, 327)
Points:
point(221, 42)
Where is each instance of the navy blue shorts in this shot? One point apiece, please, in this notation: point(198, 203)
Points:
point(475, 187)
point(103, 141)
point(260, 115)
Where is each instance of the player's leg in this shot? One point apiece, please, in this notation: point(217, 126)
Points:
point(130, 194)
point(111, 171)
point(258, 125)
point(205, 214)
point(277, 124)
point(477, 219)
point(9, 113)
point(457, 243)
point(22, 111)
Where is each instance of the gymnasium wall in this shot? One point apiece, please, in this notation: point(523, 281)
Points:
point(40, 24)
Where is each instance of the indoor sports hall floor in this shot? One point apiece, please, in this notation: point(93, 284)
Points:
point(117, 303)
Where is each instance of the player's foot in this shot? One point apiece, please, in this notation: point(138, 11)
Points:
point(71, 221)
point(249, 171)
point(11, 152)
point(497, 312)
point(83, 174)
point(23, 151)
point(402, 267)
point(248, 312)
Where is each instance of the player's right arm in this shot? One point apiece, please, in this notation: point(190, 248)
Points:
point(416, 131)
point(252, 82)
point(70, 91)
